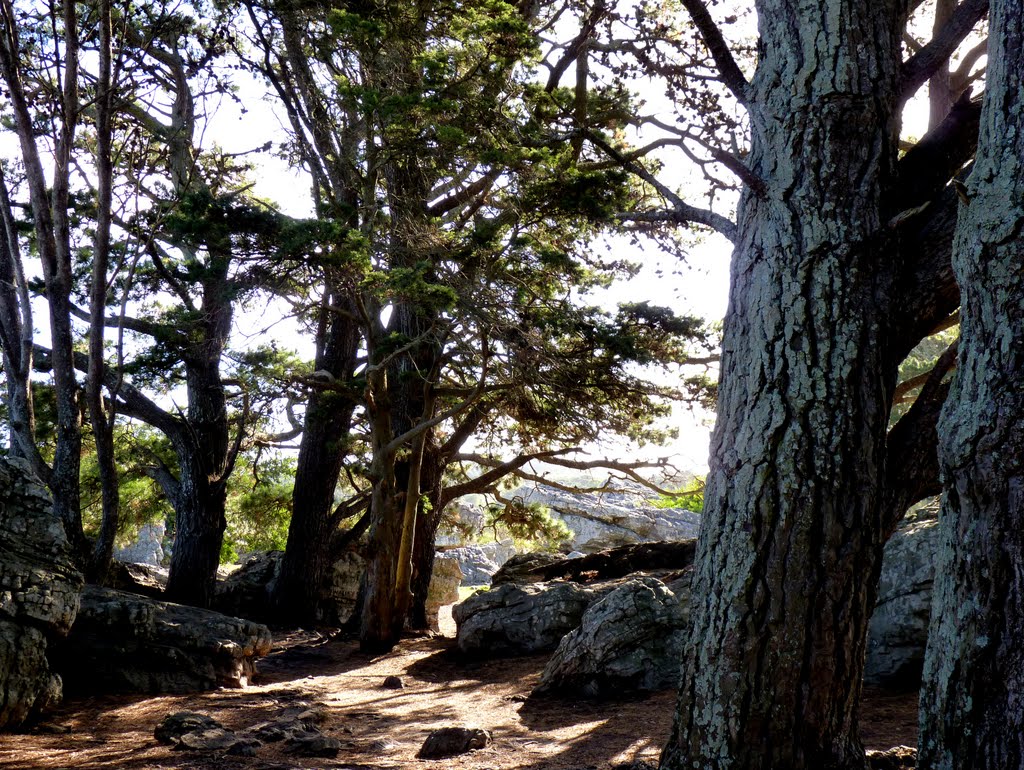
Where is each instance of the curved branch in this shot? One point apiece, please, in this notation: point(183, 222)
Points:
point(731, 74)
point(921, 66)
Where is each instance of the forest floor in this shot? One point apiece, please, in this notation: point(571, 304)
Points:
point(384, 728)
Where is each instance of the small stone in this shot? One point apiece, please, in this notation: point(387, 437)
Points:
point(312, 744)
point(452, 741)
point(216, 739)
point(179, 723)
point(393, 683)
point(245, 747)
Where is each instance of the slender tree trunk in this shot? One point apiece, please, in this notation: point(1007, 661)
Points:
point(102, 423)
point(790, 543)
point(971, 710)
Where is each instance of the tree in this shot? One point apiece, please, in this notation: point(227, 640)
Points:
point(835, 278)
point(970, 709)
point(462, 203)
point(40, 63)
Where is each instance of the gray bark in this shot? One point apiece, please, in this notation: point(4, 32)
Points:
point(790, 546)
point(971, 715)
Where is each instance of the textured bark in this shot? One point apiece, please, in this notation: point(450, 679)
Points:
point(971, 715)
point(308, 556)
point(790, 546)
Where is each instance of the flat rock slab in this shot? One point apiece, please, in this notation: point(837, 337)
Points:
point(123, 642)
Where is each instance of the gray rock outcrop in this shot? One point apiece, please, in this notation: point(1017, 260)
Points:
point(632, 639)
point(124, 642)
point(520, 619)
point(479, 562)
point(608, 519)
point(39, 595)
point(247, 591)
point(444, 587)
point(147, 548)
point(898, 632)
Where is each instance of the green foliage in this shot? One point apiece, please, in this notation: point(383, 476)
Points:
point(530, 525)
point(259, 506)
point(689, 498)
point(917, 364)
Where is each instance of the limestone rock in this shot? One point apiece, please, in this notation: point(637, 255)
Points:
point(896, 758)
point(898, 631)
point(296, 720)
point(444, 586)
point(608, 519)
point(123, 642)
point(632, 639)
point(312, 743)
point(520, 619)
point(147, 548)
point(479, 562)
point(247, 592)
point(525, 568)
point(659, 558)
point(39, 594)
point(142, 579)
point(177, 724)
point(452, 741)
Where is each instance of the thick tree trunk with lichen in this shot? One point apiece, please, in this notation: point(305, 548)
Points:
point(790, 543)
point(971, 715)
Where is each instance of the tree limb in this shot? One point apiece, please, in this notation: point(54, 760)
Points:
point(921, 66)
point(731, 74)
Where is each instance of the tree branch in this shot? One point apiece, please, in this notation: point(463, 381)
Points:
point(731, 74)
point(497, 472)
point(921, 66)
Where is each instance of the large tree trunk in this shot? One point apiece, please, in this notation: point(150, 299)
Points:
point(971, 712)
point(791, 538)
point(309, 553)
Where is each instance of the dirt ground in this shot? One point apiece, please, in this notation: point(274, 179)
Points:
point(383, 728)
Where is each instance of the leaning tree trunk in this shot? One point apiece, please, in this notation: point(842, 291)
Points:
point(971, 709)
point(790, 543)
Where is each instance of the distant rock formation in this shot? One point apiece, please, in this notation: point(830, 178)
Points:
point(39, 594)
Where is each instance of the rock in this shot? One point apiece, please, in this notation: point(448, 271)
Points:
point(898, 631)
point(142, 579)
point(214, 739)
point(147, 548)
point(632, 639)
point(393, 683)
point(179, 723)
point(297, 720)
point(896, 758)
point(122, 642)
point(452, 741)
point(312, 743)
point(39, 595)
point(661, 558)
point(479, 562)
point(444, 587)
point(525, 568)
point(603, 520)
point(247, 592)
point(520, 619)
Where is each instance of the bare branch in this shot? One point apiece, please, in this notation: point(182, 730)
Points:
point(731, 74)
point(922, 65)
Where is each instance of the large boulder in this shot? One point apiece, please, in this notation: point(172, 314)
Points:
point(39, 594)
point(247, 591)
point(898, 632)
point(520, 619)
point(148, 547)
point(632, 639)
point(124, 642)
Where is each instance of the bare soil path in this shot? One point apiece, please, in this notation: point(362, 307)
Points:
point(383, 728)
